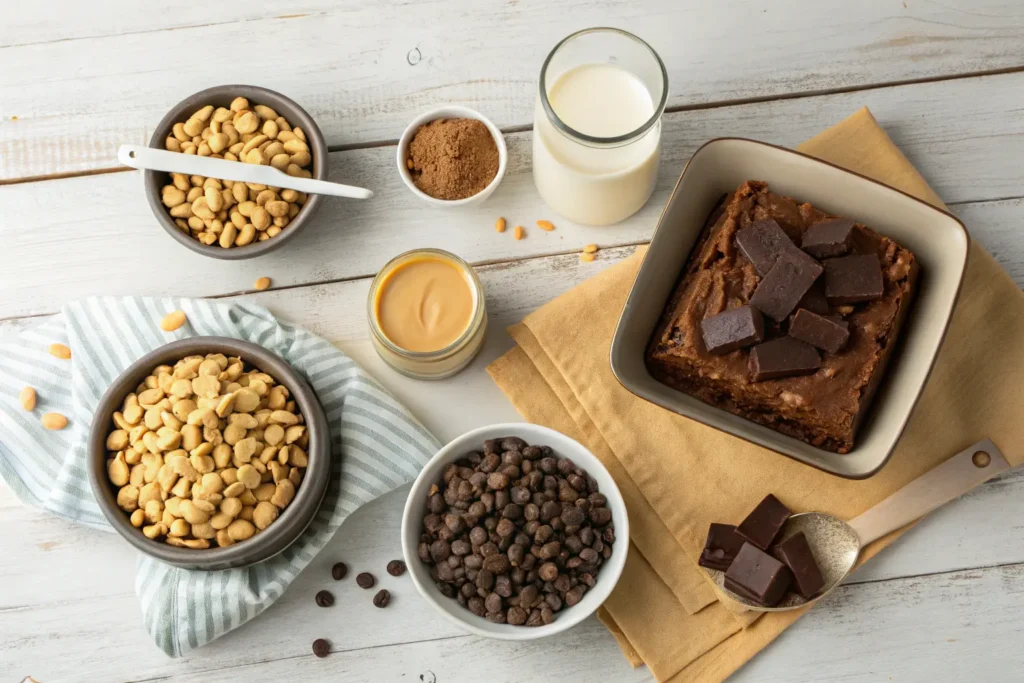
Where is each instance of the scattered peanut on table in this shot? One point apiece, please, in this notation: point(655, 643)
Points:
point(262, 284)
point(173, 321)
point(206, 452)
point(546, 226)
point(54, 421)
point(27, 398)
point(499, 225)
point(228, 213)
point(519, 232)
point(60, 351)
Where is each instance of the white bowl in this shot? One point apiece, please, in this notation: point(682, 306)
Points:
point(415, 511)
point(451, 112)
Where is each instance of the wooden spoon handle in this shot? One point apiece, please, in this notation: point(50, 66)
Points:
point(933, 489)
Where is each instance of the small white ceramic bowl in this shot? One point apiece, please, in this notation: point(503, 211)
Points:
point(451, 112)
point(535, 435)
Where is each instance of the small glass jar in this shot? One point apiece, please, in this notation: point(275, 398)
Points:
point(614, 85)
point(430, 364)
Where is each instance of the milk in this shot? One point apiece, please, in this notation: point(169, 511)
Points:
point(587, 184)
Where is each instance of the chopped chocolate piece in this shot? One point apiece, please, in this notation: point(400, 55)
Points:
point(763, 524)
point(852, 279)
point(758, 576)
point(826, 332)
point(797, 555)
point(781, 289)
point(828, 238)
point(814, 300)
point(762, 243)
point(785, 357)
point(721, 547)
point(732, 329)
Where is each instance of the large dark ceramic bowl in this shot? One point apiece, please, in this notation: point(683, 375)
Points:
point(292, 521)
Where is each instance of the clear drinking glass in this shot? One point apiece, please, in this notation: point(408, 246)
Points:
point(617, 84)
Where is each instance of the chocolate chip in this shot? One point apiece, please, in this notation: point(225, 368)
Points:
point(397, 567)
point(321, 648)
point(785, 357)
point(382, 598)
point(339, 570)
point(324, 599)
point(732, 329)
point(366, 580)
point(828, 238)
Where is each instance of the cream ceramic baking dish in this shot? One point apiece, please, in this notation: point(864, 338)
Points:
point(938, 239)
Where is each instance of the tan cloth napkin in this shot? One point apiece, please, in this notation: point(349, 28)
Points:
point(677, 476)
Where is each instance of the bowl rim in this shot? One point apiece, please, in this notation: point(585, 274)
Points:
point(412, 514)
point(291, 523)
point(257, 95)
point(447, 112)
point(626, 382)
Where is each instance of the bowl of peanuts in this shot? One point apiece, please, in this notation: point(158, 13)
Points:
point(209, 453)
point(235, 220)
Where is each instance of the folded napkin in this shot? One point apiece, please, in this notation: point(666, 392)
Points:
point(377, 444)
point(677, 475)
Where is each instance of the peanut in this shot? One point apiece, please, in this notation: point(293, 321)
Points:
point(499, 225)
point(173, 321)
point(260, 285)
point(60, 351)
point(255, 134)
point(27, 396)
point(176, 443)
point(54, 421)
point(586, 257)
point(546, 226)
point(519, 232)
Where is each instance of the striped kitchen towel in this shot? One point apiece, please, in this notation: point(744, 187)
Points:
point(377, 444)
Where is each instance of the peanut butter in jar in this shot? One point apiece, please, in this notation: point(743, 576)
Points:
point(427, 314)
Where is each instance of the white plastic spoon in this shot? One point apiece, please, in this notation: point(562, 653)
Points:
point(147, 158)
point(836, 544)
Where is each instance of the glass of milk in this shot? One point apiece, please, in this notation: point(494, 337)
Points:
point(597, 125)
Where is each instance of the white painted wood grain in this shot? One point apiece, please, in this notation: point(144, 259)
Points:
point(96, 235)
point(82, 78)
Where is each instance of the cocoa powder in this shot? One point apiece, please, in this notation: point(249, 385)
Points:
point(452, 158)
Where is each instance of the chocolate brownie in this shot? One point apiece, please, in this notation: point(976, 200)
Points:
point(823, 407)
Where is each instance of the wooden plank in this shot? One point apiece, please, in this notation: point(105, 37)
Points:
point(364, 69)
point(70, 238)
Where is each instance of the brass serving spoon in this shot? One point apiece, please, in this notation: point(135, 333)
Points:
point(836, 544)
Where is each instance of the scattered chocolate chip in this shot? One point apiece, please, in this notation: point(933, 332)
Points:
point(339, 570)
point(397, 567)
point(365, 580)
point(324, 599)
point(382, 598)
point(321, 648)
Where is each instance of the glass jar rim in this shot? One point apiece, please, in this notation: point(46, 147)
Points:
point(593, 140)
point(463, 339)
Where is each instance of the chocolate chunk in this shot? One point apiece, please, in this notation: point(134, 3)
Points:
point(814, 300)
point(852, 279)
point(758, 576)
point(779, 292)
point(721, 547)
point(797, 555)
point(828, 238)
point(762, 243)
point(825, 332)
point(732, 329)
point(763, 524)
point(785, 357)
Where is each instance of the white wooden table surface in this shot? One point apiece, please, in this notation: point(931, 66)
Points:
point(78, 78)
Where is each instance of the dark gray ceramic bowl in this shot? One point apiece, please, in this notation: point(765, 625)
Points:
point(292, 521)
point(221, 96)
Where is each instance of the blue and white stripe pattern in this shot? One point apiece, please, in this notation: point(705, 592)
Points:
point(380, 446)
